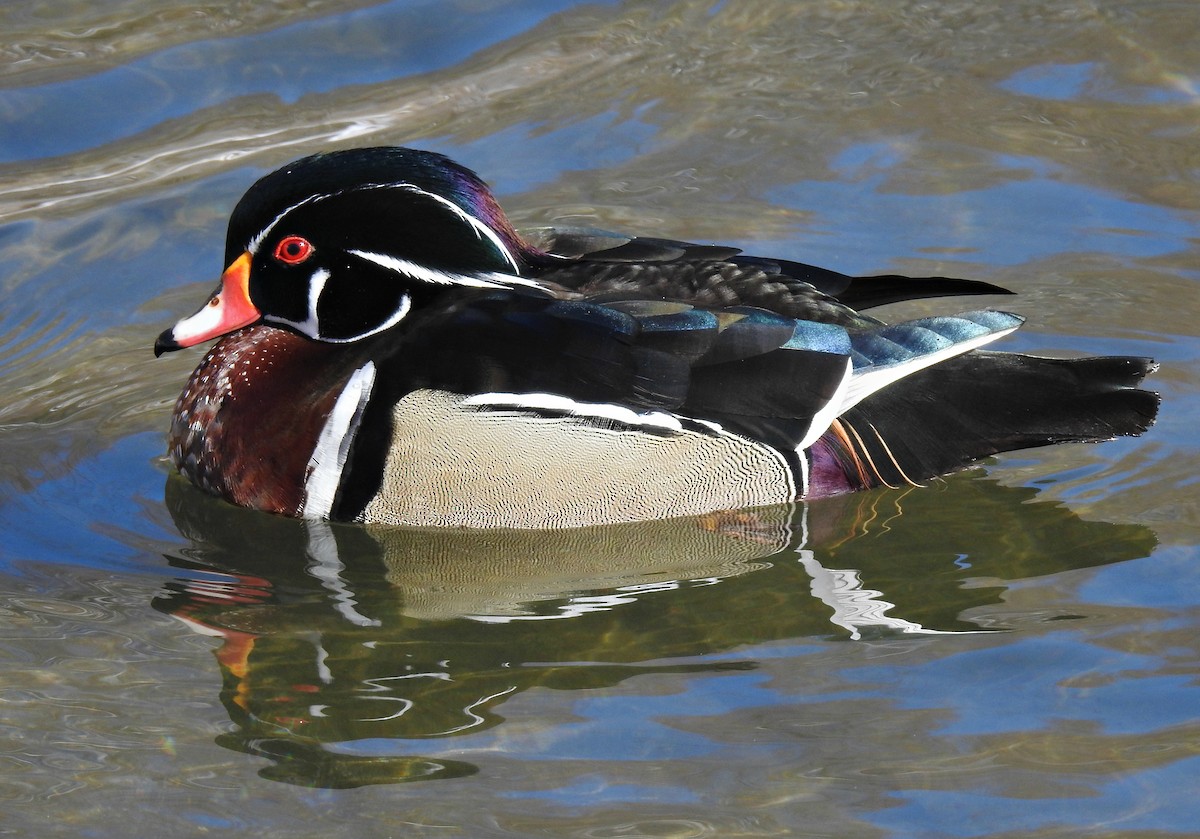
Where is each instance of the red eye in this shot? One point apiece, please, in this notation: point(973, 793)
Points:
point(292, 250)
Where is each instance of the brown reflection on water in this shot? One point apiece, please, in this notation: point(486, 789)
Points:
point(335, 635)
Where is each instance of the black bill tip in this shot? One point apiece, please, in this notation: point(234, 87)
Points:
point(165, 343)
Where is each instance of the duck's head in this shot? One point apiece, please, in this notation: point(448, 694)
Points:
point(339, 246)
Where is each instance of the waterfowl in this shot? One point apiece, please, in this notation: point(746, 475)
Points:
point(392, 350)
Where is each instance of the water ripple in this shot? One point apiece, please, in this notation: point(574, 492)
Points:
point(69, 41)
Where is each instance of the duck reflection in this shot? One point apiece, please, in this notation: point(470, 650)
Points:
point(344, 648)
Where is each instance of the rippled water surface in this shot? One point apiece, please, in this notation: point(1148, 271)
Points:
point(1010, 652)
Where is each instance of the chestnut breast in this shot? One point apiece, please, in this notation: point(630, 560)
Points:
point(250, 416)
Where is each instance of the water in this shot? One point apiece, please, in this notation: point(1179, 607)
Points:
point(1010, 652)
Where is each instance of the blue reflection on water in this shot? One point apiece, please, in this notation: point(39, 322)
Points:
point(615, 728)
point(524, 157)
point(1035, 214)
point(368, 46)
point(1021, 685)
point(1087, 80)
point(1159, 798)
point(1052, 81)
point(1161, 579)
point(596, 789)
point(55, 523)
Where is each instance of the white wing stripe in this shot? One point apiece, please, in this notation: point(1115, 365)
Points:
point(823, 418)
point(872, 379)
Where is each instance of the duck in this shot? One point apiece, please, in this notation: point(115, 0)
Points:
point(389, 349)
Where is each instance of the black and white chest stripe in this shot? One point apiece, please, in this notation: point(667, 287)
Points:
point(328, 460)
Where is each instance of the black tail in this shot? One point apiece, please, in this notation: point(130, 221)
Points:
point(944, 418)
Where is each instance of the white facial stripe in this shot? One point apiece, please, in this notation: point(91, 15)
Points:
point(333, 446)
point(425, 274)
point(254, 244)
point(420, 272)
point(316, 284)
point(481, 229)
point(308, 326)
point(397, 316)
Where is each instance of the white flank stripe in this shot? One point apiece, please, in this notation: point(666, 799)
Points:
point(659, 420)
point(554, 402)
point(877, 378)
point(333, 446)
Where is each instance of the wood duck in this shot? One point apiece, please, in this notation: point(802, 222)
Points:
point(391, 350)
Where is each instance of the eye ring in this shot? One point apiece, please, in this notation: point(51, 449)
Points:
point(292, 250)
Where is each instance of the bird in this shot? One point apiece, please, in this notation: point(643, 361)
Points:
point(391, 350)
